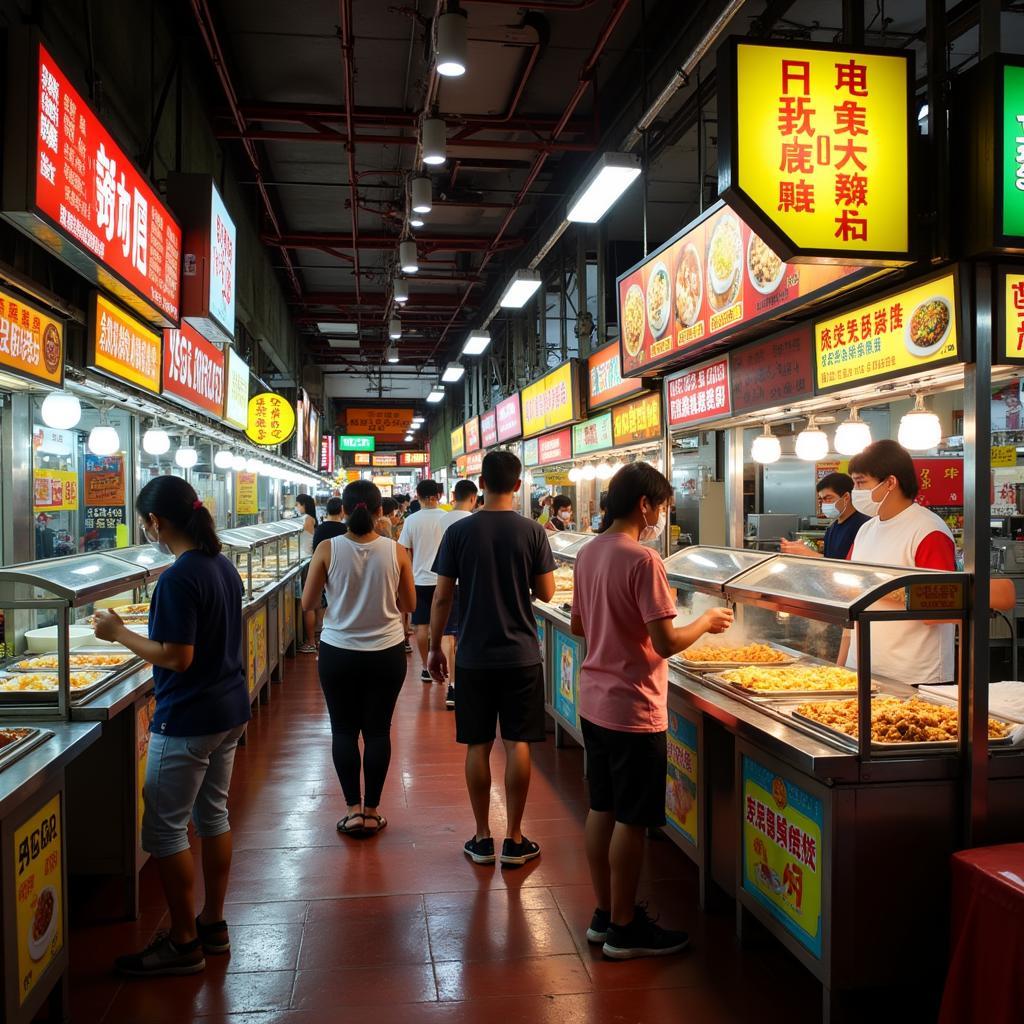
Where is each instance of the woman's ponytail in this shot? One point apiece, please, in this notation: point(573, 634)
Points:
point(361, 499)
point(202, 531)
point(174, 499)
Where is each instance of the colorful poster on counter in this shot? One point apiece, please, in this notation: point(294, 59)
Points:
point(542, 626)
point(783, 859)
point(941, 482)
point(681, 790)
point(255, 649)
point(38, 894)
point(566, 662)
point(711, 280)
point(895, 335)
point(54, 490)
point(247, 501)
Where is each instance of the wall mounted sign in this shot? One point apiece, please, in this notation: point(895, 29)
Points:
point(384, 424)
point(814, 148)
point(892, 336)
point(31, 341)
point(307, 429)
point(327, 453)
point(122, 346)
point(361, 459)
point(458, 442)
point(54, 490)
point(552, 401)
point(413, 458)
point(940, 482)
point(556, 447)
point(271, 419)
point(699, 394)
point(193, 370)
point(247, 501)
point(74, 190)
point(470, 465)
point(713, 280)
point(356, 443)
point(488, 428)
point(593, 435)
point(388, 460)
point(509, 420)
point(236, 390)
point(778, 370)
point(1010, 327)
point(638, 420)
point(605, 383)
point(472, 434)
point(531, 452)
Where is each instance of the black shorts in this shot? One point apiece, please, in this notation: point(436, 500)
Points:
point(626, 773)
point(512, 697)
point(424, 599)
point(452, 626)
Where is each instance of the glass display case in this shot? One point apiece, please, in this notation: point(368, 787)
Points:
point(566, 546)
point(51, 658)
point(263, 554)
point(780, 655)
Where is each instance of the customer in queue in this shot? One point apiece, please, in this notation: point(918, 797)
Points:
point(369, 583)
point(202, 705)
point(390, 522)
point(305, 507)
point(900, 532)
point(500, 561)
point(835, 494)
point(561, 514)
point(624, 607)
point(333, 524)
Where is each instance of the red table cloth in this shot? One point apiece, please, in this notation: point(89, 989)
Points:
point(986, 970)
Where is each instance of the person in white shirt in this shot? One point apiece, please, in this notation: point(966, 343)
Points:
point(421, 536)
point(464, 496)
point(902, 533)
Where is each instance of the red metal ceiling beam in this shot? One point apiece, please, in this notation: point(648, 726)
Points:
point(346, 63)
point(206, 29)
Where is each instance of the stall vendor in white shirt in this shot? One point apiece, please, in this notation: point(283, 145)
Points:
point(903, 533)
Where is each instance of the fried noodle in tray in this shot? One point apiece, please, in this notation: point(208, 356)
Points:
point(777, 682)
point(712, 657)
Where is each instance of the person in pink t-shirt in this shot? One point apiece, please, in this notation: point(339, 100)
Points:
point(625, 609)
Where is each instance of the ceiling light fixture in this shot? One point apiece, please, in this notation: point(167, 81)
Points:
point(436, 395)
point(394, 329)
point(452, 373)
point(400, 289)
point(103, 438)
point(407, 256)
point(61, 410)
point(766, 448)
point(604, 471)
point(920, 429)
point(415, 219)
point(433, 141)
point(574, 475)
point(811, 442)
point(588, 472)
point(852, 435)
point(520, 289)
point(156, 441)
point(223, 459)
point(476, 343)
point(611, 176)
point(408, 438)
point(452, 42)
point(392, 354)
point(238, 463)
point(253, 465)
point(419, 194)
point(186, 456)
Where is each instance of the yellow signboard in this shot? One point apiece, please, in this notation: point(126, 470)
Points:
point(39, 894)
point(1004, 455)
point(144, 712)
point(551, 401)
point(458, 442)
point(124, 347)
point(816, 144)
point(54, 490)
point(1011, 349)
point(256, 649)
point(247, 502)
point(892, 336)
point(271, 419)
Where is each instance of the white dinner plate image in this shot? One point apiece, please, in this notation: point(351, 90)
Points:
point(658, 317)
point(936, 307)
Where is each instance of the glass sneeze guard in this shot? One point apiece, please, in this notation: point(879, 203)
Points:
point(567, 546)
point(708, 569)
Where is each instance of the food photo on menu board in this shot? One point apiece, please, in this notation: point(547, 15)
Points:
point(716, 275)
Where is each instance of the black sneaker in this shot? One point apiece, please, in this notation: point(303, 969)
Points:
point(449, 698)
point(598, 930)
point(214, 937)
point(480, 851)
point(643, 937)
point(425, 676)
point(161, 957)
point(515, 855)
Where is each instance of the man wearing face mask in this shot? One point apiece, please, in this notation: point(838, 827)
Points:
point(834, 492)
point(561, 514)
point(907, 534)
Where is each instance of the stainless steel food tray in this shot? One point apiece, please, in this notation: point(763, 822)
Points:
point(19, 748)
point(21, 697)
point(713, 666)
point(782, 695)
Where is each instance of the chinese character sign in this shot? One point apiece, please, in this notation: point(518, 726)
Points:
point(509, 418)
point(412, 458)
point(356, 443)
point(31, 342)
point(1011, 346)
point(776, 371)
point(555, 447)
point(271, 419)
point(193, 370)
point(222, 263)
point(551, 401)
point(385, 424)
point(698, 394)
point(123, 346)
point(472, 431)
point(1013, 151)
point(488, 428)
point(54, 490)
point(783, 860)
point(639, 420)
point(93, 194)
point(236, 390)
point(940, 482)
point(458, 442)
point(894, 335)
point(817, 149)
point(605, 383)
point(593, 435)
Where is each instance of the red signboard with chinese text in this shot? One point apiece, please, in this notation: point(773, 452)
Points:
point(412, 458)
point(639, 420)
point(556, 447)
point(488, 428)
point(699, 393)
point(472, 428)
point(383, 424)
point(776, 371)
point(107, 220)
point(509, 418)
point(193, 370)
point(605, 383)
point(941, 482)
point(328, 444)
point(714, 279)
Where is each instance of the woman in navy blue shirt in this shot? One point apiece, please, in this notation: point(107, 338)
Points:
point(202, 705)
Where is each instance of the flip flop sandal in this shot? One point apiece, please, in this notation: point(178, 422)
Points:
point(348, 830)
point(382, 823)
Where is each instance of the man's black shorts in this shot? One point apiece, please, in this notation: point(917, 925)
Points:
point(510, 696)
point(626, 772)
point(424, 599)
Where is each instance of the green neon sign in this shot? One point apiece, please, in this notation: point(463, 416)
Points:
point(356, 443)
point(1013, 151)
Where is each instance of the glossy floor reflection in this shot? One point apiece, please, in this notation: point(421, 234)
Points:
point(402, 927)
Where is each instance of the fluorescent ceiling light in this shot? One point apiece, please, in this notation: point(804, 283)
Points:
point(435, 396)
point(451, 44)
point(333, 327)
point(452, 373)
point(614, 173)
point(408, 438)
point(520, 289)
point(419, 195)
point(476, 343)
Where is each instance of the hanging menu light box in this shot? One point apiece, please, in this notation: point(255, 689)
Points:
point(472, 434)
point(814, 148)
point(778, 370)
point(387, 460)
point(639, 420)
point(488, 428)
point(123, 347)
point(383, 424)
point(193, 370)
point(1009, 346)
point(605, 383)
point(78, 195)
point(31, 342)
point(699, 394)
point(509, 419)
point(714, 280)
point(208, 263)
point(412, 458)
point(356, 443)
point(236, 390)
point(552, 401)
point(458, 442)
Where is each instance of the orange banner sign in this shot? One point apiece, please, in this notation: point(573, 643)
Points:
point(123, 346)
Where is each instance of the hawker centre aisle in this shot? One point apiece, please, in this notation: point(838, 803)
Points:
point(402, 928)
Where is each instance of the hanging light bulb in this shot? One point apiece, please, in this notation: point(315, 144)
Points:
point(811, 442)
point(574, 474)
point(394, 328)
point(451, 42)
point(604, 471)
point(420, 198)
point(766, 447)
point(238, 463)
point(400, 287)
point(156, 441)
point(588, 472)
point(223, 459)
point(103, 439)
point(920, 429)
point(407, 256)
point(252, 465)
point(852, 435)
point(186, 456)
point(61, 410)
point(433, 141)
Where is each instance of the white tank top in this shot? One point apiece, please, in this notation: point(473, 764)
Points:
point(362, 596)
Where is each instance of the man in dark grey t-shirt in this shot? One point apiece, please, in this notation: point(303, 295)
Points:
point(501, 561)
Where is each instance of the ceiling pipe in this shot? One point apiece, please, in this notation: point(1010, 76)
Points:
point(341, 240)
point(346, 64)
point(330, 136)
point(201, 12)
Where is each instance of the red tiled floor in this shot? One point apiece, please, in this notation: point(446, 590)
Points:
point(402, 928)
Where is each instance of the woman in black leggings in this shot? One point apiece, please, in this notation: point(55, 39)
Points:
point(369, 584)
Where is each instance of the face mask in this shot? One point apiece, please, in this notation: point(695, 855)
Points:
point(157, 543)
point(830, 510)
point(565, 515)
point(864, 502)
point(650, 532)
